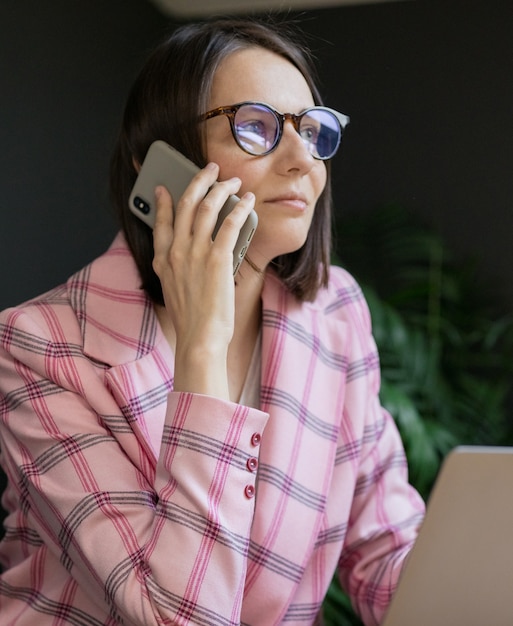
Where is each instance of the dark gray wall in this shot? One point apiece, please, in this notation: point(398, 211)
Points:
point(428, 85)
point(65, 69)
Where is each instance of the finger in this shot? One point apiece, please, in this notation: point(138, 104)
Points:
point(211, 206)
point(229, 230)
point(187, 206)
point(163, 227)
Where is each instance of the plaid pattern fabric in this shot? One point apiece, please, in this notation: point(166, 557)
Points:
point(130, 503)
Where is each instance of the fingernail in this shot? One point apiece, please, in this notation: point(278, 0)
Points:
point(248, 196)
point(211, 166)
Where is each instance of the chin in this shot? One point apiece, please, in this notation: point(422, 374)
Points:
point(294, 245)
point(285, 242)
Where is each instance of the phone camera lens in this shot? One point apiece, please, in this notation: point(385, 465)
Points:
point(143, 206)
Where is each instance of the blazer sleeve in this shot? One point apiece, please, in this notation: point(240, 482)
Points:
point(386, 510)
point(166, 551)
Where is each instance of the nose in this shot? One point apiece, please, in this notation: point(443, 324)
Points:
point(293, 149)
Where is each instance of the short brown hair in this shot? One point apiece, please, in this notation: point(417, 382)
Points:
point(167, 98)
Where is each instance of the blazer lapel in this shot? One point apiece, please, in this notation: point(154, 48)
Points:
point(120, 329)
point(118, 321)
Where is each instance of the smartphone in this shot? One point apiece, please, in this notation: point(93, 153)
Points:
point(163, 165)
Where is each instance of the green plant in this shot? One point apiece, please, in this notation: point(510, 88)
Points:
point(445, 344)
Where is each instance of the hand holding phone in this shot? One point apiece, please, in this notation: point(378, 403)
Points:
point(163, 165)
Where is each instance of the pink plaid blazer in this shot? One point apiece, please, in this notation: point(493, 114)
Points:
point(130, 503)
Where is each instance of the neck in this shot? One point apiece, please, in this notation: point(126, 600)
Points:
point(248, 314)
point(248, 291)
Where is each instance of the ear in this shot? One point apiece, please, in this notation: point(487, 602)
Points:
point(136, 164)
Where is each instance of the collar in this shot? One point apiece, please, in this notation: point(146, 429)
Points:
point(118, 321)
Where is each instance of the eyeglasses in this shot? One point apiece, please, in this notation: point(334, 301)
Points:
point(258, 128)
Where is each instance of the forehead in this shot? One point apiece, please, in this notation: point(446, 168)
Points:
point(258, 74)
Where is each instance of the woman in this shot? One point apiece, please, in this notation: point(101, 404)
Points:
point(183, 447)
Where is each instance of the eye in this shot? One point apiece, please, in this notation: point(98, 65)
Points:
point(252, 128)
point(255, 135)
point(309, 133)
point(256, 128)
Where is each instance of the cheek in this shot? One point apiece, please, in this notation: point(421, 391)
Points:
point(245, 169)
point(222, 149)
point(320, 179)
point(230, 162)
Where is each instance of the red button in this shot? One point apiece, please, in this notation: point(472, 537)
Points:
point(256, 439)
point(252, 464)
point(249, 491)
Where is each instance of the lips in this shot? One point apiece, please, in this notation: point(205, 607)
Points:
point(292, 199)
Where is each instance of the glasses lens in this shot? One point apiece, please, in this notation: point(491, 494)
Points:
point(256, 128)
point(320, 130)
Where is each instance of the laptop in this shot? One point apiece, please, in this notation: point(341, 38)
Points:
point(460, 571)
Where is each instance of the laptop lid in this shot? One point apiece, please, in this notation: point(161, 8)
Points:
point(460, 571)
